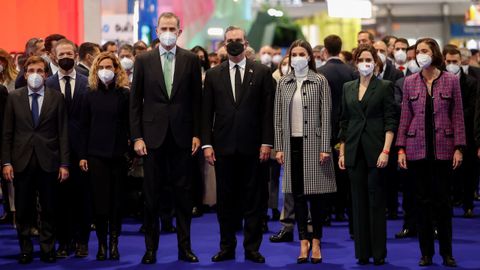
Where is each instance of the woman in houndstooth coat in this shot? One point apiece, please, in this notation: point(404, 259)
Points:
point(302, 141)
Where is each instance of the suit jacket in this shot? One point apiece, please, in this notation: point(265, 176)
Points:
point(391, 73)
point(241, 125)
point(105, 122)
point(3, 102)
point(474, 72)
point(75, 109)
point(448, 117)
point(49, 140)
point(82, 70)
point(318, 178)
point(469, 89)
point(152, 112)
point(337, 74)
point(367, 127)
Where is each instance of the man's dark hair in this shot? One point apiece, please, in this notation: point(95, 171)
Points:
point(154, 43)
point(451, 51)
point(370, 35)
point(87, 48)
point(401, 40)
point(333, 44)
point(106, 44)
point(126, 47)
point(139, 46)
point(387, 38)
point(50, 39)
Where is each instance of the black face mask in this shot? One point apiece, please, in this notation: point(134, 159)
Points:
point(66, 63)
point(235, 48)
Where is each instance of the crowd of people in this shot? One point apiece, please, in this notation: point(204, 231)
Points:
point(349, 129)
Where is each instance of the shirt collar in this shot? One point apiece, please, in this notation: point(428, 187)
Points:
point(163, 51)
point(333, 57)
point(241, 64)
point(41, 92)
point(72, 74)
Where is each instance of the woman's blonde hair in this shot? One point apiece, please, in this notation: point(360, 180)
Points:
point(121, 77)
point(9, 72)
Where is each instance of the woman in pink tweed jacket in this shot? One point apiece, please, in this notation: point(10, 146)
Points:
point(431, 136)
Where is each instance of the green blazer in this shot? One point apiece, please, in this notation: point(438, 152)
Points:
point(365, 123)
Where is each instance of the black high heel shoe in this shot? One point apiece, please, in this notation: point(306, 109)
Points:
point(316, 260)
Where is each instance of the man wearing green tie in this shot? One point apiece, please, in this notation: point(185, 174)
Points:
point(165, 125)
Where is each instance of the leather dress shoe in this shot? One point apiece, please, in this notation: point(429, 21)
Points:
point(425, 261)
point(363, 262)
point(405, 233)
point(254, 256)
point(48, 257)
point(81, 251)
point(282, 236)
point(435, 234)
point(25, 258)
point(150, 257)
point(187, 256)
point(196, 212)
point(449, 261)
point(379, 261)
point(223, 255)
point(468, 213)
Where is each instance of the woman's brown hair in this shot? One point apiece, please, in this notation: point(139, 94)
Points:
point(437, 57)
point(121, 77)
point(9, 71)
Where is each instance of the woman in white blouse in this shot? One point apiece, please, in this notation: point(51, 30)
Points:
point(302, 141)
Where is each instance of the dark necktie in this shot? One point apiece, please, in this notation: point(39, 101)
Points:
point(238, 83)
point(68, 92)
point(35, 109)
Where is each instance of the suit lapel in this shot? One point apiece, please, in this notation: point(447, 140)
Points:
point(247, 78)
point(156, 65)
point(370, 90)
point(225, 74)
point(177, 73)
point(46, 104)
point(26, 105)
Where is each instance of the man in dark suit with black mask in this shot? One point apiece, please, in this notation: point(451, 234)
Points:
point(165, 103)
point(35, 153)
point(237, 134)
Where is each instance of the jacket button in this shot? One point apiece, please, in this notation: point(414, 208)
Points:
point(304, 94)
point(305, 122)
point(305, 136)
point(304, 107)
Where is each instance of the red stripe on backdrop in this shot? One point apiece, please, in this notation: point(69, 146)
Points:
point(24, 19)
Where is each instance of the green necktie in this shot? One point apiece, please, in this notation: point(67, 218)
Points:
point(167, 71)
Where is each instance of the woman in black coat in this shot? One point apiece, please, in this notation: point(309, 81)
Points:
point(104, 144)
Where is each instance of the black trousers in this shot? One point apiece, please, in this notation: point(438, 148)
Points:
point(392, 174)
point(342, 199)
point(74, 207)
point(301, 200)
point(409, 200)
point(168, 168)
point(465, 178)
point(238, 177)
point(434, 204)
point(107, 176)
point(27, 183)
point(368, 200)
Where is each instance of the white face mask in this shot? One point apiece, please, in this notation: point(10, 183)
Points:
point(365, 68)
point(382, 57)
point(299, 63)
point(400, 56)
point(35, 81)
point(1, 68)
point(318, 63)
point(465, 69)
point(276, 59)
point(168, 38)
point(105, 75)
point(424, 60)
point(266, 59)
point(126, 63)
point(413, 67)
point(285, 70)
point(453, 68)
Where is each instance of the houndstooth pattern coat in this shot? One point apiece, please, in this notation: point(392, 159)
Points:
point(317, 107)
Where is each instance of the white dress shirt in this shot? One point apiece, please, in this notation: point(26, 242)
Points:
point(62, 81)
point(296, 112)
point(241, 65)
point(54, 68)
point(41, 93)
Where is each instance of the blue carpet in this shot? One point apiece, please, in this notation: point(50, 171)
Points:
point(337, 249)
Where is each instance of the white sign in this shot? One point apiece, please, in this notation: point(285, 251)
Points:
point(118, 28)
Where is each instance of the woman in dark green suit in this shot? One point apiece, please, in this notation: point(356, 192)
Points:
point(367, 126)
